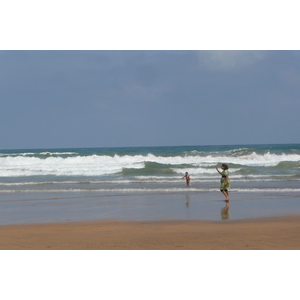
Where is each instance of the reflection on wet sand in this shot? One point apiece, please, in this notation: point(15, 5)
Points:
point(225, 211)
point(187, 202)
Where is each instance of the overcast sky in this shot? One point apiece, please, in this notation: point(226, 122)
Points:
point(59, 99)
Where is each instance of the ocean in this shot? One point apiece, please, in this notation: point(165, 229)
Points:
point(102, 175)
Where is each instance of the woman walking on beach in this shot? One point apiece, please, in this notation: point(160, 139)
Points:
point(225, 181)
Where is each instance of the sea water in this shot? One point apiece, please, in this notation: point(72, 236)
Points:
point(139, 172)
point(252, 168)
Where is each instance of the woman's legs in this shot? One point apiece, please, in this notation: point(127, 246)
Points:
point(225, 193)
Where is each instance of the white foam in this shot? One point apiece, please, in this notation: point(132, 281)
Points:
point(201, 171)
point(154, 190)
point(268, 190)
point(71, 166)
point(56, 153)
point(95, 165)
point(266, 160)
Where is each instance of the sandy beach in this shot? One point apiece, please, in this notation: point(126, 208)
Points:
point(281, 233)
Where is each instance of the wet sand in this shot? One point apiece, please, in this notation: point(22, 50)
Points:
point(30, 208)
point(282, 233)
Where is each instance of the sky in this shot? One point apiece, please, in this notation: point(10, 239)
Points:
point(65, 99)
point(172, 90)
point(126, 74)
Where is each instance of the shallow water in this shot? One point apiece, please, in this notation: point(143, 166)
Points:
point(70, 207)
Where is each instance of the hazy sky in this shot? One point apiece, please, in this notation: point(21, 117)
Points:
point(61, 99)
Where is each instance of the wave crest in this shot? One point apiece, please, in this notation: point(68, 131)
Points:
point(73, 164)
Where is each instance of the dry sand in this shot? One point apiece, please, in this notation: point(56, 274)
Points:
point(265, 234)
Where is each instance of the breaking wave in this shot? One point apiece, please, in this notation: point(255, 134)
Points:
point(69, 164)
point(148, 168)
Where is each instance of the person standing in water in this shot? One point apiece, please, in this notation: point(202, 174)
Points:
point(187, 178)
point(225, 181)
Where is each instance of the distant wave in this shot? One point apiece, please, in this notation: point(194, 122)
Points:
point(38, 154)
